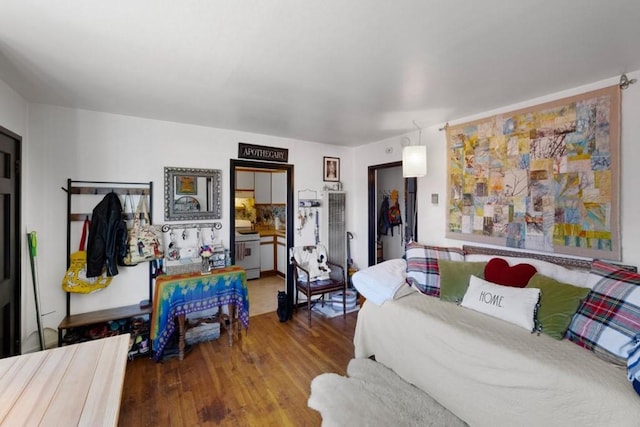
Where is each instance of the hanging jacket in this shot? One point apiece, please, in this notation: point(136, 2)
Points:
point(107, 237)
point(394, 215)
point(383, 217)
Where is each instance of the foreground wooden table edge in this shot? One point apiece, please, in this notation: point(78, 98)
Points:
point(78, 384)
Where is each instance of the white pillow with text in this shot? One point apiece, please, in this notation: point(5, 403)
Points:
point(514, 305)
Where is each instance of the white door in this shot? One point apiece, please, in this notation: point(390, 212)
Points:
point(279, 188)
point(263, 187)
point(281, 255)
point(244, 180)
point(266, 253)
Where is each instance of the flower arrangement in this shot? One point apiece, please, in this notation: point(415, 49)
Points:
point(205, 254)
point(206, 251)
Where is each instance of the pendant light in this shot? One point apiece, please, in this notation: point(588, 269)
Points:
point(414, 158)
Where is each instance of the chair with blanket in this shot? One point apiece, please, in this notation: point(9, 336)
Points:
point(314, 274)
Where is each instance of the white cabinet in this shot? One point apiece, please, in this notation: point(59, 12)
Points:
point(281, 255)
point(279, 188)
point(262, 187)
point(267, 259)
point(269, 187)
point(244, 180)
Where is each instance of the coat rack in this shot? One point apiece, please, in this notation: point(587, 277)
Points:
point(88, 189)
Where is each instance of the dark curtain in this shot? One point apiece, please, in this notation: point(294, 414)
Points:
point(411, 230)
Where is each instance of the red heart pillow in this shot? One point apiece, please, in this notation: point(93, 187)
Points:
point(498, 271)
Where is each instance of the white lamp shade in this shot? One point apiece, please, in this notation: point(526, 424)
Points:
point(414, 161)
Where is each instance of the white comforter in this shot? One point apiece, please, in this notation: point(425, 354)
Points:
point(490, 372)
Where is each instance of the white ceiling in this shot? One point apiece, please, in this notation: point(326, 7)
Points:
point(342, 72)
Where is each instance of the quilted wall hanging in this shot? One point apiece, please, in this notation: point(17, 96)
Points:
point(544, 178)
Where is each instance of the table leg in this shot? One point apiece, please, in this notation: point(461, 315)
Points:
point(238, 321)
point(230, 308)
point(181, 332)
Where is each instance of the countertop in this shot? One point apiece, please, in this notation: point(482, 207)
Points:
point(270, 231)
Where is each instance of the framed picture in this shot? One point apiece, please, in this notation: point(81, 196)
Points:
point(331, 169)
point(186, 184)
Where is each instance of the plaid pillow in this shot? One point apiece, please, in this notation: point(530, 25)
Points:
point(609, 317)
point(422, 266)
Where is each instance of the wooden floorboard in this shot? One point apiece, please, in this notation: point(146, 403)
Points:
point(263, 380)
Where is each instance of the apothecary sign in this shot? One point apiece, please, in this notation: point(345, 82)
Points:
point(260, 152)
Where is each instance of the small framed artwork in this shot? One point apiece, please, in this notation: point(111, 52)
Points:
point(331, 169)
point(186, 184)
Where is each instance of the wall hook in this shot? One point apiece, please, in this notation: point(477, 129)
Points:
point(625, 82)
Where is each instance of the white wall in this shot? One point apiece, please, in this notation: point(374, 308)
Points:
point(431, 221)
point(13, 110)
point(85, 145)
point(377, 153)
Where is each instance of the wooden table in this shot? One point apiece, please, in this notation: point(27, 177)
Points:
point(180, 294)
point(73, 385)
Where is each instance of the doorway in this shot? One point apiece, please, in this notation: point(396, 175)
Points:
point(260, 168)
point(382, 181)
point(10, 275)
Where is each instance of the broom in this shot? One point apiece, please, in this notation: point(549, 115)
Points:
point(33, 252)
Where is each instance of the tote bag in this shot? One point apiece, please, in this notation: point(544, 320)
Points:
point(75, 279)
point(143, 238)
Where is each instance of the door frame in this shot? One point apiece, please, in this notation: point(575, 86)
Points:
point(15, 262)
point(289, 168)
point(410, 186)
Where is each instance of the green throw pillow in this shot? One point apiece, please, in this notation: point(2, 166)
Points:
point(558, 303)
point(454, 278)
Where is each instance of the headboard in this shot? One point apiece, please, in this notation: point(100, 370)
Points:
point(573, 263)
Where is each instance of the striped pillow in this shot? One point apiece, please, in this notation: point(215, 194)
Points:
point(609, 317)
point(422, 266)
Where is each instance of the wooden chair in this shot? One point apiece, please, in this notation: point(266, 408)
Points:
point(312, 277)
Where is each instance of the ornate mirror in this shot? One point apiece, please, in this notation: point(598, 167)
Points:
point(191, 194)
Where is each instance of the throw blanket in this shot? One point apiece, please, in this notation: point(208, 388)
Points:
point(373, 395)
point(314, 260)
point(382, 282)
point(490, 372)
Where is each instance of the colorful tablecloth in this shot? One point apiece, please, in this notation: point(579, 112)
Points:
point(182, 294)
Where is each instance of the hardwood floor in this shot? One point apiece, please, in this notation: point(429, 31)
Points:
point(263, 294)
point(263, 380)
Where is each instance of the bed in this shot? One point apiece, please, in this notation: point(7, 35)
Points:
point(491, 372)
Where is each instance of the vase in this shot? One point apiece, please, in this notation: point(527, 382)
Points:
point(206, 266)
